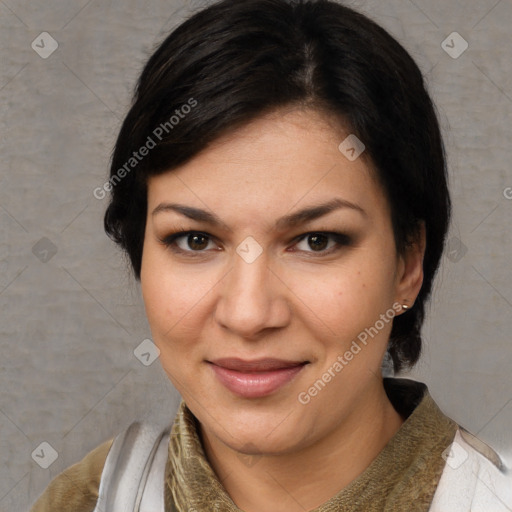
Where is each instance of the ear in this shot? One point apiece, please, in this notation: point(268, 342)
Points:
point(410, 269)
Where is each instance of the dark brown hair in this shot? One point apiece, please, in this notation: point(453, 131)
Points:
point(238, 59)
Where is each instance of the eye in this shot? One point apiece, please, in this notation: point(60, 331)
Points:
point(188, 242)
point(319, 242)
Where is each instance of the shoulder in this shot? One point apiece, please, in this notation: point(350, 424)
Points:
point(476, 444)
point(77, 487)
point(474, 477)
point(134, 472)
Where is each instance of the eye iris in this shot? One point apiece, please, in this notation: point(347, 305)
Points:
point(193, 241)
point(317, 241)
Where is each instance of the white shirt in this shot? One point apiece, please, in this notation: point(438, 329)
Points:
point(474, 478)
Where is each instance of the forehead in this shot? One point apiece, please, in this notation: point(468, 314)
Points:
point(286, 158)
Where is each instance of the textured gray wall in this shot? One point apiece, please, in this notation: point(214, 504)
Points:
point(71, 315)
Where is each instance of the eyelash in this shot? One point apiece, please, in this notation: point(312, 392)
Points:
point(340, 240)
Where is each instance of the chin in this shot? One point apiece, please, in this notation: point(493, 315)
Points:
point(257, 442)
point(257, 429)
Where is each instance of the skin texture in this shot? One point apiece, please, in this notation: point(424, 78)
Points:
point(293, 302)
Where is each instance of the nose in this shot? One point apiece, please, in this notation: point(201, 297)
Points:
point(252, 299)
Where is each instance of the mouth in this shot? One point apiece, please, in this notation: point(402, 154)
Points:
point(256, 378)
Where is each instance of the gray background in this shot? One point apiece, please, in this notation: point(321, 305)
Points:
point(70, 313)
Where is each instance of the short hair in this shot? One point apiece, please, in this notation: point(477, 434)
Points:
point(236, 60)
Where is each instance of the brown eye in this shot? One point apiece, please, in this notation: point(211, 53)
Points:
point(188, 242)
point(322, 243)
point(197, 242)
point(318, 242)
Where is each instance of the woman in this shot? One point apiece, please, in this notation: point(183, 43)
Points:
point(279, 186)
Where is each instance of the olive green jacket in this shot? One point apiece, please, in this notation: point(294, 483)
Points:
point(403, 477)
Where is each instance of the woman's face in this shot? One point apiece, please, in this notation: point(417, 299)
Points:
point(272, 329)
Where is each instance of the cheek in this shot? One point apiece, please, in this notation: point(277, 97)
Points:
point(170, 313)
point(348, 298)
point(165, 297)
point(175, 298)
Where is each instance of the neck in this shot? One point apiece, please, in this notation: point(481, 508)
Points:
point(276, 483)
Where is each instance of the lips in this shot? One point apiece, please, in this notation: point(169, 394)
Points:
point(258, 365)
point(256, 378)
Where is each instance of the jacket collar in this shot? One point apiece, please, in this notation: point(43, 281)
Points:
point(407, 469)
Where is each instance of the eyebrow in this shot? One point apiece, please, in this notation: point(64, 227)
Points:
point(287, 221)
